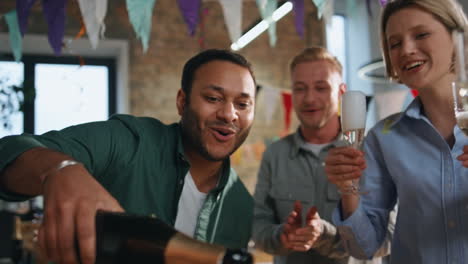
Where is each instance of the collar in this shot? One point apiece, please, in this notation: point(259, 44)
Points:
point(298, 142)
point(414, 110)
point(225, 167)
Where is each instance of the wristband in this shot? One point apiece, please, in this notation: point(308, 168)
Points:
point(61, 165)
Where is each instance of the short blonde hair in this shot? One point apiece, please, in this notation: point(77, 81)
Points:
point(316, 54)
point(448, 12)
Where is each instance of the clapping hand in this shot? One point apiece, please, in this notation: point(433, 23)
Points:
point(344, 164)
point(297, 237)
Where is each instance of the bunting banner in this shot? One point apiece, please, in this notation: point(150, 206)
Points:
point(328, 11)
point(270, 98)
point(351, 7)
point(23, 7)
point(267, 7)
point(141, 14)
point(54, 11)
point(390, 102)
point(369, 7)
point(190, 10)
point(287, 103)
point(16, 41)
point(383, 2)
point(320, 4)
point(232, 10)
point(93, 13)
point(298, 8)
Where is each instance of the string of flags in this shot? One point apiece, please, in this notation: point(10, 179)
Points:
point(140, 15)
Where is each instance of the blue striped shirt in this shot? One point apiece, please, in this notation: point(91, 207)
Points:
point(410, 162)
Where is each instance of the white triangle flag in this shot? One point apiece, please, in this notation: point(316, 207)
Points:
point(390, 102)
point(93, 13)
point(232, 10)
point(327, 12)
point(101, 10)
point(270, 98)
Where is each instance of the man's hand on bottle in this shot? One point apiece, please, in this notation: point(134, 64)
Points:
point(301, 238)
point(71, 198)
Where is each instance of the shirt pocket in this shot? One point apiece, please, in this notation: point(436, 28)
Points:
point(333, 194)
point(332, 199)
point(284, 197)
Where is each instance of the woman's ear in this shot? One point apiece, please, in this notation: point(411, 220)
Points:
point(181, 101)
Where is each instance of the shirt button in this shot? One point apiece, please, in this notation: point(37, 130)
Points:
point(181, 182)
point(323, 163)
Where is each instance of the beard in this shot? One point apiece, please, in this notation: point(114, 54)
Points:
point(193, 136)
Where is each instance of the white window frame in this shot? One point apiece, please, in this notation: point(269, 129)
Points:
point(118, 49)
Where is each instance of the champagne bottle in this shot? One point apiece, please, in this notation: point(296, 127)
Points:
point(124, 238)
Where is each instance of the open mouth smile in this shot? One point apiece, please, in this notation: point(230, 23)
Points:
point(413, 65)
point(223, 134)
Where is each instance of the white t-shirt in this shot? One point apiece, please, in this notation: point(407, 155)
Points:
point(315, 148)
point(190, 203)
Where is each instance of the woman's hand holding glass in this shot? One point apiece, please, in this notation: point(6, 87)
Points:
point(353, 123)
point(344, 165)
point(460, 90)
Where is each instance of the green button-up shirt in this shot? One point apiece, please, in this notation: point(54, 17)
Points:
point(141, 162)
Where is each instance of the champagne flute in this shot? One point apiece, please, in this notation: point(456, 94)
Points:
point(460, 85)
point(353, 124)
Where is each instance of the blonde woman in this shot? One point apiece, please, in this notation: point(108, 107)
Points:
point(415, 157)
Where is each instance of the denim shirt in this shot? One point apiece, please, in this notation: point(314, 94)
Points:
point(291, 172)
point(409, 161)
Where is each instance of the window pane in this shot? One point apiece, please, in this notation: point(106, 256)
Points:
point(11, 74)
point(70, 94)
point(336, 39)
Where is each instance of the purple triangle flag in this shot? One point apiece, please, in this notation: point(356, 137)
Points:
point(54, 11)
point(369, 8)
point(383, 2)
point(189, 9)
point(298, 7)
point(22, 9)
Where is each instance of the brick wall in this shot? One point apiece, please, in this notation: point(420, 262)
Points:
point(155, 76)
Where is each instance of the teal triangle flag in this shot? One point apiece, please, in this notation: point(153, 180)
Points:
point(267, 7)
point(351, 7)
point(16, 42)
point(141, 13)
point(320, 4)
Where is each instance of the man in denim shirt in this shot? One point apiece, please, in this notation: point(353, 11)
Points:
point(292, 192)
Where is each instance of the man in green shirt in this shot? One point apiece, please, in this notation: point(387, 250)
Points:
point(142, 166)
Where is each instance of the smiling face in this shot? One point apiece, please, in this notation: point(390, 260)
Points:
point(219, 114)
point(317, 86)
point(420, 48)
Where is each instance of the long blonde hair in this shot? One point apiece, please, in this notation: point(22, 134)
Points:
point(448, 12)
